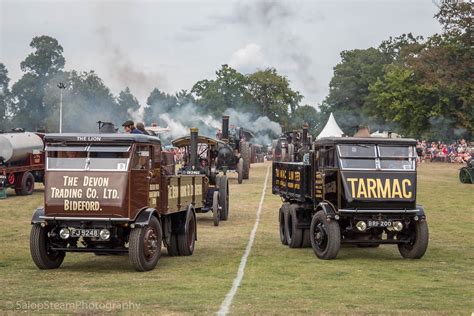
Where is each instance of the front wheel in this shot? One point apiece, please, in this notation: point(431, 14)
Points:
point(216, 213)
point(325, 236)
point(419, 236)
point(224, 197)
point(187, 240)
point(42, 255)
point(144, 248)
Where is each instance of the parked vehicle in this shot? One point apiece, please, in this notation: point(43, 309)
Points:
point(21, 161)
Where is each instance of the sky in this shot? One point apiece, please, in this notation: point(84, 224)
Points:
point(171, 45)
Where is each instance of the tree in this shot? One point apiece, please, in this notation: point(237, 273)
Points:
point(349, 87)
point(158, 103)
point(5, 97)
point(127, 103)
point(47, 58)
point(272, 96)
point(404, 103)
point(306, 114)
point(227, 91)
point(45, 62)
point(86, 100)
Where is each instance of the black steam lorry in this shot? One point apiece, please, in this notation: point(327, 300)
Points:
point(234, 153)
point(346, 190)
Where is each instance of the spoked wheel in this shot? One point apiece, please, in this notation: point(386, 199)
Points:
point(144, 247)
point(419, 236)
point(187, 240)
point(282, 214)
point(224, 197)
point(42, 255)
point(325, 236)
point(240, 171)
point(216, 213)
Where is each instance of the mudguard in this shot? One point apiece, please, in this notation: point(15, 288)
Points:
point(420, 211)
point(327, 208)
point(36, 216)
point(144, 217)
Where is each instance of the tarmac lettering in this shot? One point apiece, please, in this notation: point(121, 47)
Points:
point(369, 188)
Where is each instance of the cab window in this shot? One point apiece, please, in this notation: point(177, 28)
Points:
point(141, 158)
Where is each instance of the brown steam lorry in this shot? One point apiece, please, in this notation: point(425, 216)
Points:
point(112, 194)
point(348, 190)
point(21, 161)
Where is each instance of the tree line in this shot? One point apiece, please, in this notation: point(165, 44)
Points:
point(410, 85)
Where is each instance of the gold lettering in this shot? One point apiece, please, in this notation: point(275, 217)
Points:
point(352, 181)
point(361, 190)
point(371, 188)
point(396, 190)
point(405, 184)
point(383, 190)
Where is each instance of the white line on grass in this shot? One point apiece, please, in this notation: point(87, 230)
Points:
point(224, 309)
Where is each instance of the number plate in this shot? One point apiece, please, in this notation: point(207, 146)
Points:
point(85, 233)
point(376, 223)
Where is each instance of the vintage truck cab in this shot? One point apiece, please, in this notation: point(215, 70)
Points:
point(109, 194)
point(349, 190)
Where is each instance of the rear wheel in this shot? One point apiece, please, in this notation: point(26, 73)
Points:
point(282, 214)
point(27, 185)
point(294, 235)
point(240, 170)
point(419, 236)
point(216, 214)
point(245, 154)
point(144, 248)
point(42, 255)
point(173, 246)
point(187, 240)
point(224, 197)
point(325, 236)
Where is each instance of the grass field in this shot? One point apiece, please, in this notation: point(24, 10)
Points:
point(277, 280)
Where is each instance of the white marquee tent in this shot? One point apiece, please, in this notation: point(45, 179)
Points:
point(331, 129)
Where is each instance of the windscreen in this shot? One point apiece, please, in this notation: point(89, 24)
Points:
point(371, 157)
point(93, 157)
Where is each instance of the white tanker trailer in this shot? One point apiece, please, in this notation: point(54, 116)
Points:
point(21, 161)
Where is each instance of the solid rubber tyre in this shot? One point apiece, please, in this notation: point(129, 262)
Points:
point(245, 154)
point(187, 240)
point(294, 235)
point(224, 197)
point(144, 245)
point(216, 213)
point(41, 255)
point(173, 246)
point(282, 214)
point(240, 171)
point(27, 184)
point(325, 236)
point(464, 175)
point(419, 238)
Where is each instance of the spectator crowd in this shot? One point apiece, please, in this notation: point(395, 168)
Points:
point(456, 152)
